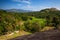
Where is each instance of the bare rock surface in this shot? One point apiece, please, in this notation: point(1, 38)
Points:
point(47, 35)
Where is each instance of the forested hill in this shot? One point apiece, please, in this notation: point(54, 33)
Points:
point(46, 12)
point(30, 22)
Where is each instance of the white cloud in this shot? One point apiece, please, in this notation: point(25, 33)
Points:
point(26, 2)
point(23, 1)
point(27, 6)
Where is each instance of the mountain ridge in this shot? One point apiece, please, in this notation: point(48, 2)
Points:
point(17, 10)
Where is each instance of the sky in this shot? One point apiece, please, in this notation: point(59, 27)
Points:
point(34, 5)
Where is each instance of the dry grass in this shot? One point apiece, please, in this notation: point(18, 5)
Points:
point(8, 36)
point(47, 28)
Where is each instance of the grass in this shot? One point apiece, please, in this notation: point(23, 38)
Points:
point(7, 36)
point(47, 28)
point(39, 20)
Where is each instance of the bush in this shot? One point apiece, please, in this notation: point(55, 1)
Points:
point(32, 26)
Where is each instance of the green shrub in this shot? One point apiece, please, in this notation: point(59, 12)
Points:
point(34, 25)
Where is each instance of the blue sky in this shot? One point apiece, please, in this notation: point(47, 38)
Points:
point(34, 5)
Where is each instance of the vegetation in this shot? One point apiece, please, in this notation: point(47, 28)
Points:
point(30, 21)
point(13, 35)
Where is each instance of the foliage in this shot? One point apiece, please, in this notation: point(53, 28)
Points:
point(30, 21)
point(34, 25)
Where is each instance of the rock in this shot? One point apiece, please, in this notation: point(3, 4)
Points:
point(47, 35)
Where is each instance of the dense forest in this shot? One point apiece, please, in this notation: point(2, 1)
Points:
point(29, 21)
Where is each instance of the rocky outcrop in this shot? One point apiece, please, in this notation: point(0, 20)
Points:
point(47, 35)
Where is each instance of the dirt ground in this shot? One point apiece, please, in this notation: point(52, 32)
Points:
point(47, 35)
